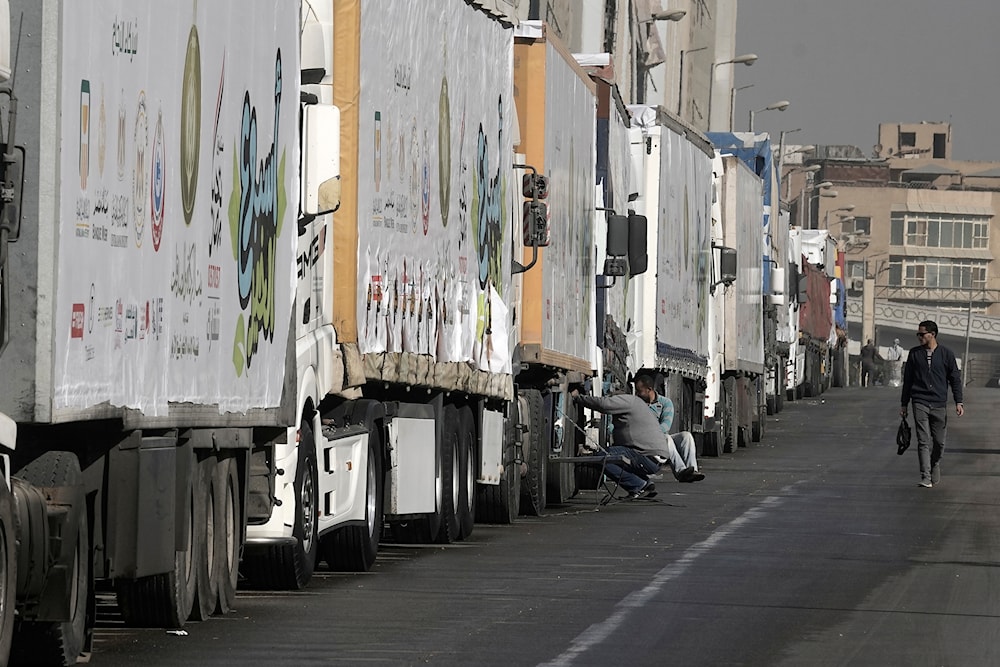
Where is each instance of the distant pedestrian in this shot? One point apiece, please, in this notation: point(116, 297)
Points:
point(895, 357)
point(930, 369)
point(868, 356)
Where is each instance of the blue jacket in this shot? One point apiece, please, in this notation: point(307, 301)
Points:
point(928, 384)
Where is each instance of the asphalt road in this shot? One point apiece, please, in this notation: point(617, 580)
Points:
point(815, 547)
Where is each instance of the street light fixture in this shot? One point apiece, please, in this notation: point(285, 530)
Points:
point(680, 78)
point(807, 170)
point(806, 206)
point(826, 216)
point(668, 15)
point(746, 59)
point(776, 106)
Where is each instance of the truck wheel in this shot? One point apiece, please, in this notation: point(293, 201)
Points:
point(500, 503)
point(533, 485)
point(290, 567)
point(354, 548)
point(757, 428)
point(228, 522)
point(207, 585)
point(730, 427)
point(165, 600)
point(8, 571)
point(561, 475)
point(450, 482)
point(467, 456)
point(59, 642)
point(712, 441)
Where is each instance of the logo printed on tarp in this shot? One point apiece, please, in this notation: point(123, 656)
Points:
point(76, 321)
point(487, 219)
point(256, 209)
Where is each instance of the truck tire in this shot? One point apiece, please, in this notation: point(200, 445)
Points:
point(228, 531)
point(468, 451)
point(534, 482)
point(166, 600)
point(60, 642)
point(730, 427)
point(355, 548)
point(561, 475)
point(207, 584)
point(8, 571)
point(712, 440)
point(451, 478)
point(500, 503)
point(758, 426)
point(289, 567)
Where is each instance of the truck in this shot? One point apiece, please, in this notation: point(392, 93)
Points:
point(151, 196)
point(811, 368)
point(755, 151)
point(449, 329)
point(668, 305)
point(737, 363)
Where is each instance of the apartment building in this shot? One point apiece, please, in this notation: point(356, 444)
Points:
point(910, 216)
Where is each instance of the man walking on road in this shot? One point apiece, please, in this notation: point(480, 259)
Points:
point(930, 369)
point(868, 356)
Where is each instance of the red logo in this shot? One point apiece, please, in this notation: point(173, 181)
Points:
point(76, 321)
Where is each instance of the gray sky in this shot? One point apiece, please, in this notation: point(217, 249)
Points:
point(847, 65)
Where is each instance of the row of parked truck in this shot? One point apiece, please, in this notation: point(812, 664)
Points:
point(282, 281)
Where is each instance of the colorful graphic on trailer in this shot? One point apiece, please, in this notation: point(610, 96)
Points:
point(176, 276)
point(434, 197)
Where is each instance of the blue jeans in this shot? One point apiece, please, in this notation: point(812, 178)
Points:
point(932, 427)
point(634, 472)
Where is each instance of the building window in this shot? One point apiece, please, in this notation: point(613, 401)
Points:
point(862, 225)
point(940, 141)
point(937, 272)
point(907, 139)
point(916, 232)
point(940, 230)
point(855, 269)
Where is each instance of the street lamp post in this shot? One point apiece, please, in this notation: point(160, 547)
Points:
point(808, 171)
point(642, 68)
point(680, 78)
point(824, 191)
point(732, 99)
point(746, 59)
point(776, 106)
point(826, 216)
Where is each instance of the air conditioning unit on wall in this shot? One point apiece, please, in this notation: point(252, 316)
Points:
point(857, 284)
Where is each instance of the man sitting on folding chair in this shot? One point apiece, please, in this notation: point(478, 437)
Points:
point(638, 442)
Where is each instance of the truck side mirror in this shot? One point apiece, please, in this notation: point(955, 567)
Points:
point(535, 187)
point(638, 259)
point(320, 160)
point(618, 236)
point(727, 267)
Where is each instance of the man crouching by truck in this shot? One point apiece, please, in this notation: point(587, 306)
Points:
point(639, 441)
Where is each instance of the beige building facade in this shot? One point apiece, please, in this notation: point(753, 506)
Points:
point(922, 226)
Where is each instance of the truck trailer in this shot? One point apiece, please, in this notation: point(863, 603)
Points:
point(152, 185)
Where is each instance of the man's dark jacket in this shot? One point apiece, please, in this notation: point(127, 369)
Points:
point(929, 384)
